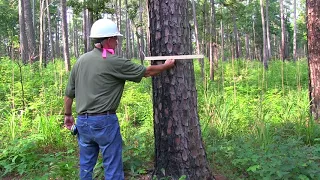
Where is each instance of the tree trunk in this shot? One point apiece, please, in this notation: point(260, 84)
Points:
point(264, 48)
point(178, 143)
point(268, 31)
point(29, 31)
point(222, 41)
point(295, 30)
point(52, 52)
point(85, 29)
point(313, 24)
point(235, 32)
point(23, 38)
point(283, 31)
point(247, 41)
point(41, 33)
point(127, 33)
point(65, 35)
point(75, 37)
point(197, 38)
point(212, 37)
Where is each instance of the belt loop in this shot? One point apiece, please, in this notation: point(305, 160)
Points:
point(86, 115)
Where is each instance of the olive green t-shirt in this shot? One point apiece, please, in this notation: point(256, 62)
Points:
point(97, 83)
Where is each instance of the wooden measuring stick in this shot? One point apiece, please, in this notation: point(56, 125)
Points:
point(155, 58)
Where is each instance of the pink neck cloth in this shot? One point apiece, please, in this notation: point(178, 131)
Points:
point(104, 52)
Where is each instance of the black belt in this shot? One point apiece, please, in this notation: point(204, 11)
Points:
point(97, 114)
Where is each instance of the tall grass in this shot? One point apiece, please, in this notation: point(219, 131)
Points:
point(255, 123)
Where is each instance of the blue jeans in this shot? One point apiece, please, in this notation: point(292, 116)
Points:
point(100, 132)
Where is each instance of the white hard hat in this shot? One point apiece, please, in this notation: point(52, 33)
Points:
point(104, 28)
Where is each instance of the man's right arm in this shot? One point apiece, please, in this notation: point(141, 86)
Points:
point(156, 69)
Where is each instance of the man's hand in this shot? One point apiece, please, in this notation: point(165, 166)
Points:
point(68, 121)
point(169, 62)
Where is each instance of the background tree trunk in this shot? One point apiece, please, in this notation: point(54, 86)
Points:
point(29, 30)
point(268, 31)
point(283, 31)
point(178, 143)
point(65, 35)
point(212, 37)
point(52, 52)
point(313, 24)
point(264, 48)
point(23, 38)
point(294, 30)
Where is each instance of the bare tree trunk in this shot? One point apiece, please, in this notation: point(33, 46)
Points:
point(247, 41)
point(268, 31)
point(264, 48)
point(52, 52)
point(141, 32)
point(66, 56)
point(23, 38)
point(85, 29)
point(75, 36)
point(212, 37)
point(121, 39)
point(29, 31)
point(235, 32)
point(197, 38)
point(222, 40)
point(178, 142)
point(283, 31)
point(41, 34)
point(254, 40)
point(295, 30)
point(313, 24)
point(127, 33)
point(57, 49)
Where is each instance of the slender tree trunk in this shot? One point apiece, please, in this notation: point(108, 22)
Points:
point(212, 37)
point(204, 35)
point(23, 38)
point(268, 31)
point(127, 33)
point(52, 52)
point(29, 31)
point(197, 38)
point(295, 30)
point(247, 41)
point(141, 32)
point(254, 40)
point(58, 50)
point(235, 32)
point(283, 31)
point(66, 56)
point(85, 29)
point(41, 34)
point(222, 41)
point(313, 24)
point(178, 142)
point(75, 36)
point(264, 48)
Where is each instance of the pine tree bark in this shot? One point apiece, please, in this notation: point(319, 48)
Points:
point(179, 148)
point(23, 39)
point(313, 24)
point(294, 30)
point(29, 31)
point(283, 32)
point(52, 52)
point(235, 33)
point(212, 37)
point(264, 48)
point(65, 41)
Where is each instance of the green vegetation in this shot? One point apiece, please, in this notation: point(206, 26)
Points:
point(255, 124)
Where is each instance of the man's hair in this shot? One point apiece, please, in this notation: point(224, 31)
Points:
point(98, 40)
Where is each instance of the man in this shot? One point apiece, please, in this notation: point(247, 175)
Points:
point(96, 82)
